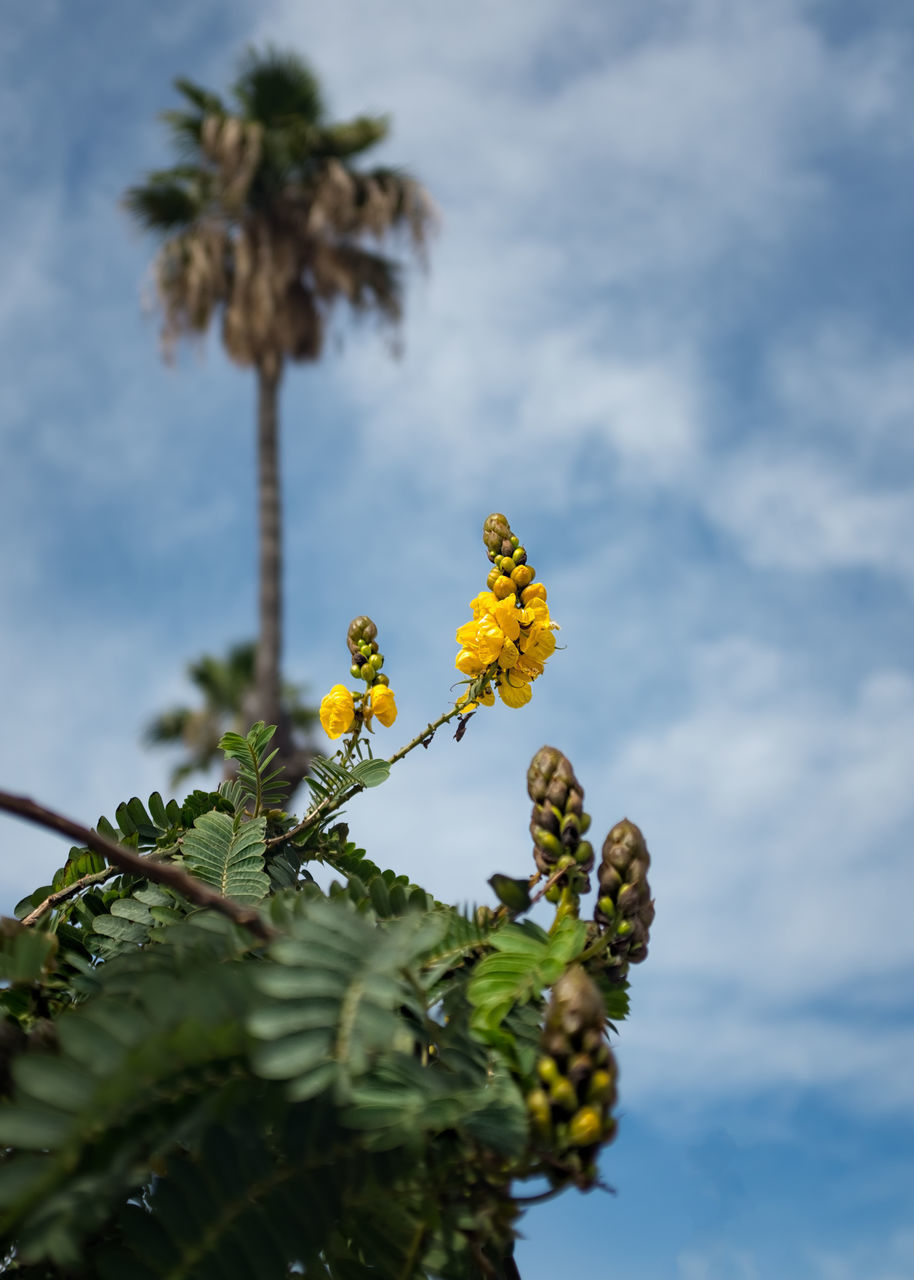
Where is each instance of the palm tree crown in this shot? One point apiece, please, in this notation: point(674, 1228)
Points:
point(223, 684)
point(266, 220)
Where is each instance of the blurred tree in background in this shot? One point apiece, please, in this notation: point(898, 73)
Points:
point(225, 685)
point(266, 222)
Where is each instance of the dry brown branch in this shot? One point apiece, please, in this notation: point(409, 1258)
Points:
point(126, 860)
point(53, 899)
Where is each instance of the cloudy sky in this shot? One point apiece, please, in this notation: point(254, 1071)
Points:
point(667, 329)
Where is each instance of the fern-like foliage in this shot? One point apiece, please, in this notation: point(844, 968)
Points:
point(258, 787)
point(357, 1095)
point(227, 854)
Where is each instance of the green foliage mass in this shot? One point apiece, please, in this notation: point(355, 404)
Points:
point(354, 1088)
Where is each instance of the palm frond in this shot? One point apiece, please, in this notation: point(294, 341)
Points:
point(204, 100)
point(169, 726)
point(351, 137)
point(274, 86)
point(367, 281)
point(163, 203)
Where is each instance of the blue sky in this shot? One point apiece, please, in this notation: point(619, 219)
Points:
point(667, 329)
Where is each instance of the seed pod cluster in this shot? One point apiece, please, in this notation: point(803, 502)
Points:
point(510, 574)
point(570, 1105)
point(559, 821)
point(624, 905)
point(367, 661)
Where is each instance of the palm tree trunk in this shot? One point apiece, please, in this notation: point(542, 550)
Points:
point(269, 640)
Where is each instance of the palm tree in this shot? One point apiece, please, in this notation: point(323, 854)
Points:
point(225, 685)
point(266, 222)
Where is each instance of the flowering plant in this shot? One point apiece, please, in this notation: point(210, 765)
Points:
point(214, 1066)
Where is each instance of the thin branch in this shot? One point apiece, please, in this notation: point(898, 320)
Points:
point(427, 732)
point(149, 868)
point(332, 802)
point(52, 900)
point(553, 879)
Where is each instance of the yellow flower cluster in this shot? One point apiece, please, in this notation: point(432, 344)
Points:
point(508, 640)
point(341, 709)
point(338, 708)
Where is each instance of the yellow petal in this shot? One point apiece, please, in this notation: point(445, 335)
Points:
point(515, 695)
point(383, 704)
point(337, 711)
point(469, 663)
point(508, 656)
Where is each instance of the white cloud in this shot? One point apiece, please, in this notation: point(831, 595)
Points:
point(802, 512)
point(850, 382)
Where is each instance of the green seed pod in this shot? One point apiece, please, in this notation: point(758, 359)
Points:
point(583, 854)
point(601, 1088)
point(571, 821)
point(355, 671)
point(540, 1110)
point(607, 908)
point(519, 554)
point(563, 1095)
point(547, 1070)
point(586, 1127)
point(553, 893)
point(584, 820)
point(547, 841)
point(382, 679)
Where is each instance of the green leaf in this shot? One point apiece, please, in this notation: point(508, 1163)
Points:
point(227, 853)
point(515, 894)
point(261, 789)
point(53, 1080)
point(615, 998)
point(24, 952)
point(371, 773)
point(32, 1128)
point(526, 961)
point(121, 930)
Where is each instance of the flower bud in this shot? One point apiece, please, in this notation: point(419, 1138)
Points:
point(586, 1127)
point(624, 907)
point(562, 1094)
point(360, 629)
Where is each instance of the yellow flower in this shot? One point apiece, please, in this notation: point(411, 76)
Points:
point(513, 691)
point(508, 656)
point(516, 637)
point(381, 704)
point(483, 639)
point(538, 645)
point(507, 616)
point(528, 668)
point(469, 663)
point(337, 711)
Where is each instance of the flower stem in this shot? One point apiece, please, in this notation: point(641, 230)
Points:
point(330, 803)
